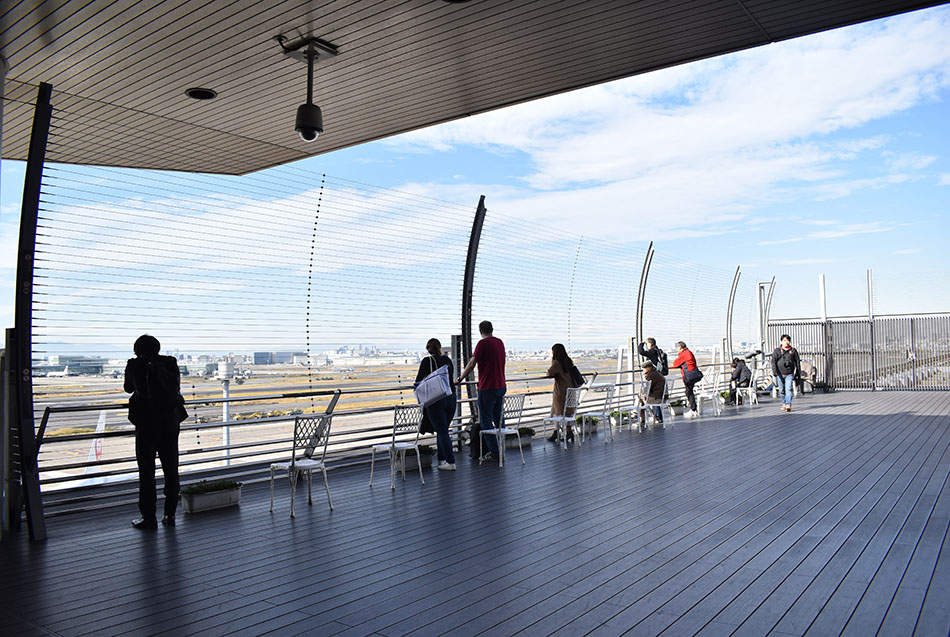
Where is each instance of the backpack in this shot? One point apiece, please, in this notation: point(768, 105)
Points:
point(577, 379)
point(163, 383)
point(664, 362)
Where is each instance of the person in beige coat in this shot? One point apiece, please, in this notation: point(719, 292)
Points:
point(560, 371)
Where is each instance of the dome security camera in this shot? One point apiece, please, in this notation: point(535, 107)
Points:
point(309, 122)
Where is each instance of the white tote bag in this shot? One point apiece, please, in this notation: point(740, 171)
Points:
point(435, 386)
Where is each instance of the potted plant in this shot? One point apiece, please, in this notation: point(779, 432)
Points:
point(617, 416)
point(213, 494)
point(587, 425)
point(526, 434)
point(412, 462)
point(678, 407)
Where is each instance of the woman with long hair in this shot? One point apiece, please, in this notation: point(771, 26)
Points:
point(441, 412)
point(560, 371)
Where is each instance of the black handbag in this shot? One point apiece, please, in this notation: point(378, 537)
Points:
point(693, 376)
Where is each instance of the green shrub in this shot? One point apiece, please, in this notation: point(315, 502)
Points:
point(206, 486)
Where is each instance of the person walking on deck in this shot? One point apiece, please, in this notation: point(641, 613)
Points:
point(489, 355)
point(787, 368)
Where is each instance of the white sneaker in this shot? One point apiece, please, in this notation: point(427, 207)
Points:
point(694, 414)
point(445, 466)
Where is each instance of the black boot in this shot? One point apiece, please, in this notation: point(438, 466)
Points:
point(570, 435)
point(553, 437)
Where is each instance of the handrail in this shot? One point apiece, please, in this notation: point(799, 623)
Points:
point(347, 446)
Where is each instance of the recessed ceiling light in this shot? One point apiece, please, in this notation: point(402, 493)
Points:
point(201, 93)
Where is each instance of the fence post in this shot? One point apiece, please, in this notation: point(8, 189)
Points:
point(871, 333)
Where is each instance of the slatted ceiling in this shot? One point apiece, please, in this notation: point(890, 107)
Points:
point(404, 64)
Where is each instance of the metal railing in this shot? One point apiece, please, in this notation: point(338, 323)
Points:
point(71, 484)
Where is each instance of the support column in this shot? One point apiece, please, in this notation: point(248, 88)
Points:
point(727, 349)
point(871, 332)
point(23, 362)
point(468, 284)
point(641, 297)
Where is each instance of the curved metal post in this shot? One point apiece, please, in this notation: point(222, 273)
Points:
point(468, 283)
point(23, 317)
point(727, 350)
point(641, 294)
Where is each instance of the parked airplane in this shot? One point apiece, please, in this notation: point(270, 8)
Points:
point(61, 374)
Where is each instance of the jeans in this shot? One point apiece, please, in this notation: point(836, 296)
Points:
point(786, 386)
point(490, 403)
point(440, 414)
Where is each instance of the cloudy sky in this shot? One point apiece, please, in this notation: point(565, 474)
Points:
point(825, 154)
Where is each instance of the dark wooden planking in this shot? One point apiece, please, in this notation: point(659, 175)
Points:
point(643, 526)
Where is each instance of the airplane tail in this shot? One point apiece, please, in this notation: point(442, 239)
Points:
point(95, 450)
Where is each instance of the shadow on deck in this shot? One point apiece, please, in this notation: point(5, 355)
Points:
point(831, 519)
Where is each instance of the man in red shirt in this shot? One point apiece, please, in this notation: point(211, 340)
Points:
point(686, 361)
point(489, 355)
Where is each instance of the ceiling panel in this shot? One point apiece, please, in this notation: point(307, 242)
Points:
point(119, 69)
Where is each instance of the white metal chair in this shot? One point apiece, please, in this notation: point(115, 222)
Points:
point(561, 422)
point(709, 392)
point(406, 420)
point(510, 419)
point(603, 415)
point(647, 408)
point(311, 434)
point(748, 393)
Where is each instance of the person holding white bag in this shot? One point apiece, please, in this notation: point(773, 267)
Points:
point(440, 412)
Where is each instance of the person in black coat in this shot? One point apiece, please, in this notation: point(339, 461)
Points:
point(787, 367)
point(156, 408)
point(441, 412)
point(741, 377)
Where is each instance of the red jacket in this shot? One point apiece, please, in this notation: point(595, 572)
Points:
point(685, 358)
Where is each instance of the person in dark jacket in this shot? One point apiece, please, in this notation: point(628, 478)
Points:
point(787, 368)
point(156, 409)
point(687, 363)
point(441, 412)
point(656, 388)
point(741, 377)
point(648, 350)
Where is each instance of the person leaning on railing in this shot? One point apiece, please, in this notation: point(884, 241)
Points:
point(560, 371)
point(687, 362)
point(441, 412)
point(489, 355)
point(156, 408)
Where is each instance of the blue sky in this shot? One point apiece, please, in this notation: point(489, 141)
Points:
point(825, 154)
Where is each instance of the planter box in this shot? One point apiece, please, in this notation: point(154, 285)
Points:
point(511, 442)
point(412, 463)
point(678, 410)
point(195, 502)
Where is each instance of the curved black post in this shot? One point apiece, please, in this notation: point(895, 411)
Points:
point(641, 294)
point(468, 284)
point(727, 352)
point(23, 318)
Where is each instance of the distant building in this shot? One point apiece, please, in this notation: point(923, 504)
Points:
point(263, 358)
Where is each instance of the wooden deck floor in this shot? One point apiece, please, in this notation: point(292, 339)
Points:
point(829, 520)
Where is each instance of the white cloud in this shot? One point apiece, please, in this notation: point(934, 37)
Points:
point(682, 147)
point(944, 180)
point(901, 162)
point(908, 251)
point(848, 230)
